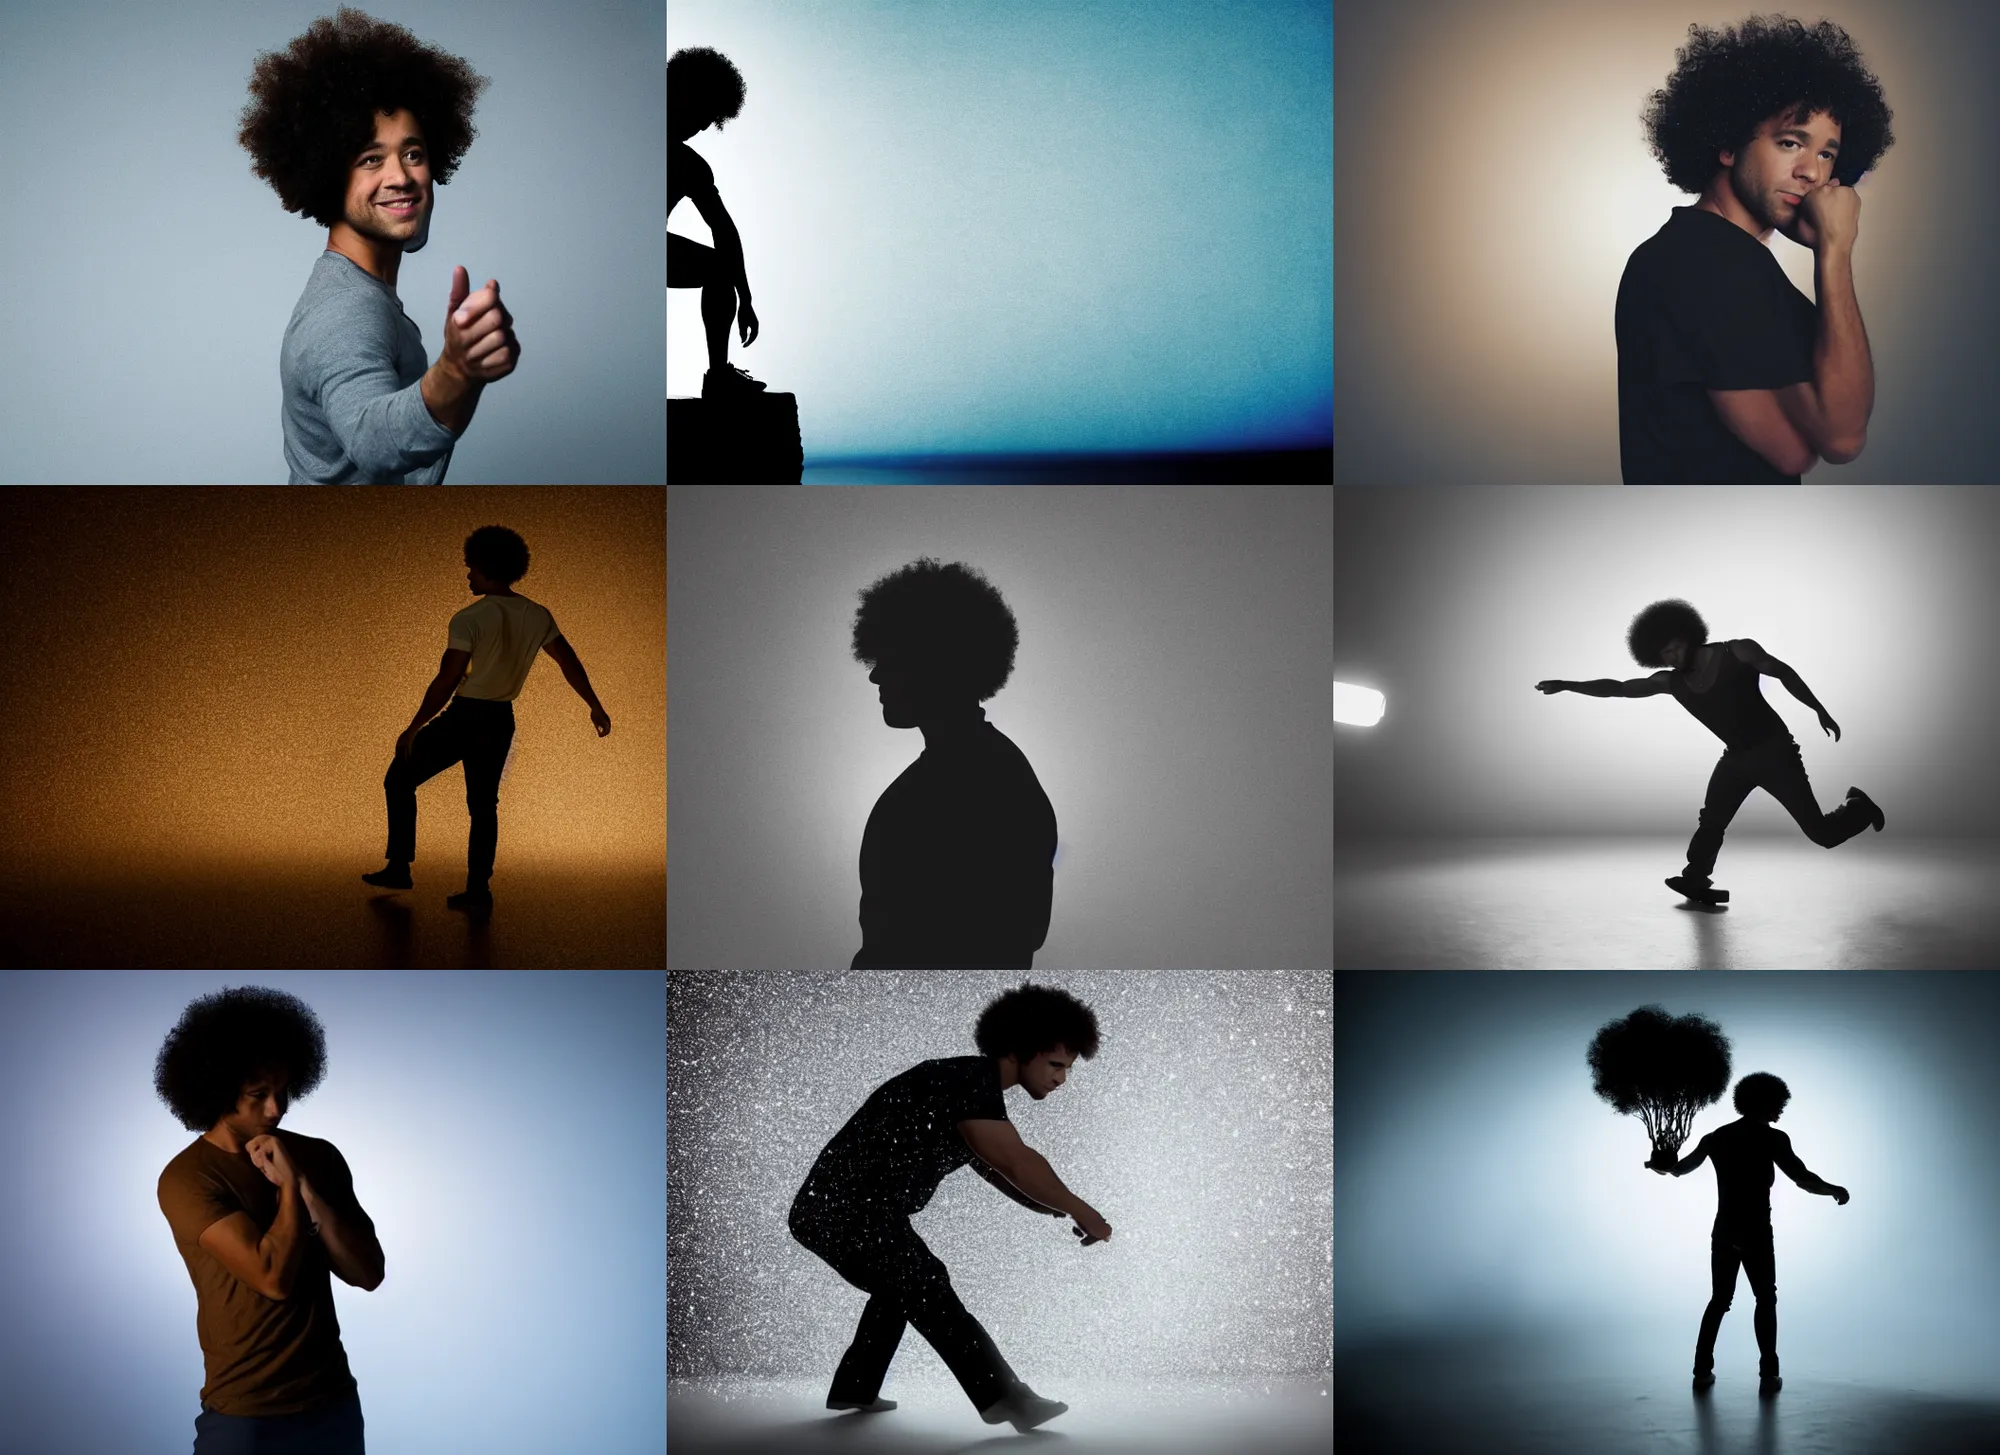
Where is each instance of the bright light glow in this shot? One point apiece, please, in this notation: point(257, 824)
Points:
point(1360, 706)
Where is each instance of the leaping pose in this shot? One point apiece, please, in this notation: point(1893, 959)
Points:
point(1717, 683)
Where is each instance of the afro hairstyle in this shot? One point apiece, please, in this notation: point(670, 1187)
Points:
point(499, 553)
point(1031, 1019)
point(704, 85)
point(946, 623)
point(1762, 1095)
point(224, 1039)
point(313, 107)
point(1659, 624)
point(1728, 83)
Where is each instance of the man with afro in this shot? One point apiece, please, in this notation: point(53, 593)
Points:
point(705, 89)
point(854, 1208)
point(1717, 682)
point(490, 645)
point(353, 125)
point(261, 1217)
point(1746, 1153)
point(1727, 374)
point(958, 858)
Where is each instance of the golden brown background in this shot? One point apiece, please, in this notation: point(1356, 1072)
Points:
point(208, 675)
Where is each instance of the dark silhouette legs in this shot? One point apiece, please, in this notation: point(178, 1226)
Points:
point(905, 1283)
point(718, 311)
point(1776, 767)
point(1751, 1251)
point(473, 732)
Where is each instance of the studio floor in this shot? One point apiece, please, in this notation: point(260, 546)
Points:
point(324, 917)
point(1873, 903)
point(1449, 1399)
point(1195, 1416)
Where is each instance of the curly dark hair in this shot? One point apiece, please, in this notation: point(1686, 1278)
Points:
point(1762, 1095)
point(1728, 83)
point(1031, 1019)
point(499, 553)
point(704, 85)
point(224, 1039)
point(313, 107)
point(1659, 624)
point(946, 623)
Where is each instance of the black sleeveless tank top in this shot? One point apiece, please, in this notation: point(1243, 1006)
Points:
point(1733, 708)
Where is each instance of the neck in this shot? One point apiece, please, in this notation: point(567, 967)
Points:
point(951, 727)
point(1010, 1072)
point(1720, 200)
point(379, 259)
point(224, 1136)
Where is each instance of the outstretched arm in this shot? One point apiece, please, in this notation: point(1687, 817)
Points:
point(1687, 1164)
point(1811, 1181)
point(1011, 1190)
point(1609, 686)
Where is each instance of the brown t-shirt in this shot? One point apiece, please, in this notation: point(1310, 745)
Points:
point(261, 1357)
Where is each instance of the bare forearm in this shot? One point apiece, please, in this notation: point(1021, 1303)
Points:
point(352, 1252)
point(450, 396)
point(284, 1243)
point(435, 697)
point(1598, 687)
point(579, 682)
point(1795, 685)
point(1843, 368)
point(729, 243)
point(1033, 1175)
point(1003, 1185)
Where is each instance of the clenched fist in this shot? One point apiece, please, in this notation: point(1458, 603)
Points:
point(271, 1158)
point(1830, 216)
point(479, 340)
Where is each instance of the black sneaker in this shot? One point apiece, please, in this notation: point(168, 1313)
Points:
point(1875, 814)
point(395, 876)
point(874, 1406)
point(1706, 894)
point(728, 382)
point(472, 901)
point(1702, 1382)
point(1769, 1385)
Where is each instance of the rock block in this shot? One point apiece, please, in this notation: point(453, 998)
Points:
point(752, 439)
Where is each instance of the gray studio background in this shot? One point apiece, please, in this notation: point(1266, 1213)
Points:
point(505, 1133)
point(1171, 690)
point(1486, 1191)
point(1455, 602)
point(1492, 177)
point(151, 274)
point(1202, 1131)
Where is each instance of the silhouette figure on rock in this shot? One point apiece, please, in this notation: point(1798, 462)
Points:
point(1745, 1153)
point(957, 861)
point(704, 89)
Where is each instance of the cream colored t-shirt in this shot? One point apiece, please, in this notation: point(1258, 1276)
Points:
point(503, 633)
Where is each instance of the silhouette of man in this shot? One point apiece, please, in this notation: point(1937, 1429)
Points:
point(854, 1207)
point(958, 858)
point(704, 89)
point(491, 644)
point(1745, 1152)
point(1717, 682)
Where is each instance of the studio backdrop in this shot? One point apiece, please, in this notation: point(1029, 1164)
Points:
point(153, 274)
point(1027, 225)
point(1453, 603)
point(505, 1133)
point(1492, 178)
point(1170, 691)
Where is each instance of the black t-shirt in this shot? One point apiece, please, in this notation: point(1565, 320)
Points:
point(1703, 305)
point(958, 861)
point(1733, 708)
point(1745, 1154)
point(894, 1151)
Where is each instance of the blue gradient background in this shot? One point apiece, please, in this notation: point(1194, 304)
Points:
point(506, 1132)
point(151, 274)
point(1027, 226)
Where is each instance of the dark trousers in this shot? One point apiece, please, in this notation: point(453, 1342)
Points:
point(905, 1283)
point(478, 733)
point(1750, 1249)
point(1775, 766)
point(333, 1431)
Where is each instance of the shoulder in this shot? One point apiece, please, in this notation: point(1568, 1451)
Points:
point(1747, 649)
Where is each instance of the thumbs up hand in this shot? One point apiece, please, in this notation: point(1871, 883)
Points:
point(479, 340)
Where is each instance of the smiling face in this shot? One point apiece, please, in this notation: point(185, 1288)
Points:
point(1787, 158)
point(394, 169)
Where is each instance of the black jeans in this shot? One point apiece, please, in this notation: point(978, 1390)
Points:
point(1749, 1248)
point(478, 733)
point(1775, 766)
point(333, 1431)
point(905, 1283)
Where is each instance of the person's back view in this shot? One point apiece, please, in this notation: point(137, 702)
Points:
point(1747, 1154)
point(491, 645)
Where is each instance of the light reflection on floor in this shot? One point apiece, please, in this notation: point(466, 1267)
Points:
point(1196, 1416)
point(324, 917)
point(1598, 904)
